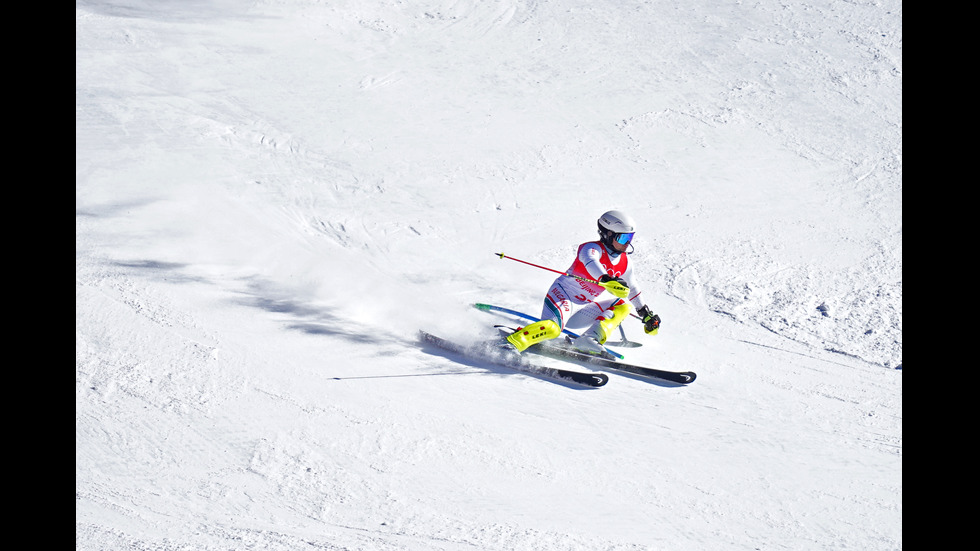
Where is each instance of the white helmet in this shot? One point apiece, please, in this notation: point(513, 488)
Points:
point(617, 226)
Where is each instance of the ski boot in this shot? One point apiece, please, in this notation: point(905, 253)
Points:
point(591, 341)
point(532, 334)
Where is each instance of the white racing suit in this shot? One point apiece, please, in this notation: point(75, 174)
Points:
point(580, 305)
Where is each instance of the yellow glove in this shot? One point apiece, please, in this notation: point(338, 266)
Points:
point(615, 285)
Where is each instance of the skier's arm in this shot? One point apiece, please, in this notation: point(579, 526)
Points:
point(590, 256)
point(651, 321)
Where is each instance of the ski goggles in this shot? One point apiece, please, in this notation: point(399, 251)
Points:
point(623, 238)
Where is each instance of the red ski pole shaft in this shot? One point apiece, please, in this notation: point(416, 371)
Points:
point(502, 255)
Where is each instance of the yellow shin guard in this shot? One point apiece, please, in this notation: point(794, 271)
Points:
point(607, 326)
point(533, 334)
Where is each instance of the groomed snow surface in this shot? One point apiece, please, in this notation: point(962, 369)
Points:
point(274, 196)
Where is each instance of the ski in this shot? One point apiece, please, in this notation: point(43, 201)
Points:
point(532, 319)
point(562, 350)
point(516, 363)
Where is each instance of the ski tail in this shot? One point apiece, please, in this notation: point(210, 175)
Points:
point(592, 380)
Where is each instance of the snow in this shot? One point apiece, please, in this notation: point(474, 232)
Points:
point(273, 197)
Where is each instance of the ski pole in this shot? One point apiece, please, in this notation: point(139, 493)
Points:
point(502, 255)
point(586, 279)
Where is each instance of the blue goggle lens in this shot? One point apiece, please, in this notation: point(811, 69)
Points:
point(624, 238)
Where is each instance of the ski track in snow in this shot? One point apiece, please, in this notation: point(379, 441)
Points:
point(273, 197)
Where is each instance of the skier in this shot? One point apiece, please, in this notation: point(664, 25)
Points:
point(594, 294)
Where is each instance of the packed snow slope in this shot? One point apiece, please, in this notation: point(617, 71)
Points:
point(273, 197)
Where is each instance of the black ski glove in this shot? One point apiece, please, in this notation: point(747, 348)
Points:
point(651, 322)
